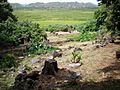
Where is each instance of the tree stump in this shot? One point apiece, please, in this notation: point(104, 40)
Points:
point(50, 67)
point(118, 54)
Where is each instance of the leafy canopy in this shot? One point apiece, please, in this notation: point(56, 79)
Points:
point(108, 15)
point(6, 11)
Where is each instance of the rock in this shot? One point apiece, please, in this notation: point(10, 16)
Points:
point(21, 68)
point(111, 40)
point(21, 57)
point(84, 44)
point(70, 40)
point(118, 55)
point(74, 75)
point(35, 61)
point(77, 49)
point(75, 65)
point(96, 46)
point(70, 47)
point(57, 54)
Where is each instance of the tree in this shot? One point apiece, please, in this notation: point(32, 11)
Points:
point(13, 33)
point(108, 15)
point(6, 11)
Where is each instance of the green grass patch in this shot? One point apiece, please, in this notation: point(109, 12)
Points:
point(55, 16)
point(46, 23)
point(87, 36)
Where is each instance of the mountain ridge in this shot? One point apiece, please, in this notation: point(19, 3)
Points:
point(55, 5)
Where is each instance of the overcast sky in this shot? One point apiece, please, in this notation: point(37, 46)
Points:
point(45, 1)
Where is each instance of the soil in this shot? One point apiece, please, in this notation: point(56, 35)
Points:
point(98, 64)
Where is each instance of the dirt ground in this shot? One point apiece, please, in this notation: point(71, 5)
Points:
point(98, 64)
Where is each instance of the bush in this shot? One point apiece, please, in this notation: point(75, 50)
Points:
point(30, 31)
point(88, 26)
point(59, 27)
point(7, 30)
point(8, 61)
point(12, 32)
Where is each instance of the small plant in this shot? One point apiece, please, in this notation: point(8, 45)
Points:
point(77, 56)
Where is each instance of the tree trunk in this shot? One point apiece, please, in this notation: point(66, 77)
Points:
point(50, 67)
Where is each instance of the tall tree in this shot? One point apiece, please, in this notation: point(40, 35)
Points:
point(6, 11)
point(108, 15)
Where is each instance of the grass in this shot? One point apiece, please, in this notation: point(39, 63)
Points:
point(88, 36)
point(55, 16)
point(54, 22)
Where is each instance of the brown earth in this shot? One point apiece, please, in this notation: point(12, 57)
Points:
point(100, 68)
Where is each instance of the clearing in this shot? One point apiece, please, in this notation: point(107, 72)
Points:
point(98, 64)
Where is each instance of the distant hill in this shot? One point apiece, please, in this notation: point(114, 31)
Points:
point(55, 5)
point(16, 5)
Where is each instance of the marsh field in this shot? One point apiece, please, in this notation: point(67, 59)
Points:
point(47, 17)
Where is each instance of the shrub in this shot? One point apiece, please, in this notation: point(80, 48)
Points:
point(12, 32)
point(8, 61)
point(30, 31)
point(59, 27)
point(88, 26)
point(7, 30)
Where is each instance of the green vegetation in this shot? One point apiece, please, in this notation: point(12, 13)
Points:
point(59, 27)
point(12, 33)
point(6, 11)
point(87, 36)
point(8, 61)
point(47, 17)
point(87, 31)
point(89, 26)
point(108, 15)
point(41, 49)
point(77, 56)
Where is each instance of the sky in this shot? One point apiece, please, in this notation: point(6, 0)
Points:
point(45, 1)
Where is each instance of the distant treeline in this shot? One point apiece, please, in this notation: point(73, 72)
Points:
point(68, 5)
